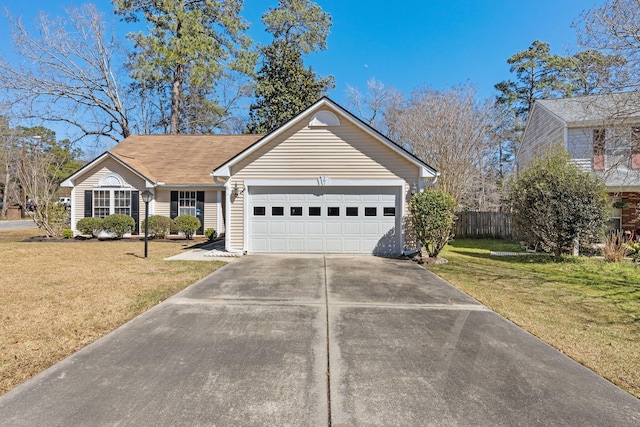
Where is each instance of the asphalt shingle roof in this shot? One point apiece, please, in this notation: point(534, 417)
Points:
point(180, 159)
point(595, 108)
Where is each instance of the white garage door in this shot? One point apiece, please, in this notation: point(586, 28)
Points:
point(361, 220)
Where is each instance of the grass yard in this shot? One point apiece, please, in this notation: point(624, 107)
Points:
point(586, 308)
point(57, 297)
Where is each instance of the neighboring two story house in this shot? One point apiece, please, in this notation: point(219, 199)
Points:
point(602, 134)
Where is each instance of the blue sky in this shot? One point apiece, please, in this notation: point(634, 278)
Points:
point(406, 43)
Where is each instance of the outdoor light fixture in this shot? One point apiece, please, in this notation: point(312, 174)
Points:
point(414, 190)
point(235, 191)
point(147, 196)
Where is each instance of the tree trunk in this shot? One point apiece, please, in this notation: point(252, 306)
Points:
point(178, 76)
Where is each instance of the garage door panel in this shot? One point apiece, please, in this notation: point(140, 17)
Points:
point(296, 228)
point(352, 245)
point(296, 245)
point(260, 245)
point(277, 244)
point(351, 229)
point(371, 229)
point(315, 244)
point(299, 230)
point(333, 229)
point(259, 228)
point(333, 245)
point(278, 228)
point(315, 228)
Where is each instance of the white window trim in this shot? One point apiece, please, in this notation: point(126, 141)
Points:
point(112, 203)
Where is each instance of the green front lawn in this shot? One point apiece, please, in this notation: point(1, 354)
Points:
point(587, 308)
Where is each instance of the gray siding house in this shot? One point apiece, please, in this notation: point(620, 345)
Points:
point(602, 135)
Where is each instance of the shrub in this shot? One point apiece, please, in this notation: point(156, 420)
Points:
point(615, 247)
point(186, 224)
point(210, 233)
point(118, 225)
point(159, 226)
point(432, 216)
point(634, 250)
point(51, 217)
point(67, 233)
point(555, 203)
point(90, 225)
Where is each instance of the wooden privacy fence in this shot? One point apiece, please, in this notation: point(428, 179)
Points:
point(482, 225)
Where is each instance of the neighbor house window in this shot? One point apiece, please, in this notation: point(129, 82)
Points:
point(635, 147)
point(599, 136)
point(187, 203)
point(111, 201)
point(615, 219)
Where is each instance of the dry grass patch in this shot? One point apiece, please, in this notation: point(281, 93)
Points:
point(57, 297)
point(586, 308)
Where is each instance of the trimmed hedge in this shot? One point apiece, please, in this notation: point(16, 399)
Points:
point(186, 224)
point(118, 225)
point(159, 226)
point(90, 225)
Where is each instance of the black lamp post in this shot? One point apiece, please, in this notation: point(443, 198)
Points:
point(147, 196)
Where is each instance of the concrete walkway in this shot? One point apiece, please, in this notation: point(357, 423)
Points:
point(315, 341)
point(18, 223)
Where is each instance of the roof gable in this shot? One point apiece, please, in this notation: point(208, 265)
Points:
point(324, 113)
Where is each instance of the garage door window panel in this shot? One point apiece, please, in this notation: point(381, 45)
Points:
point(314, 211)
point(333, 211)
point(259, 211)
point(370, 211)
point(389, 211)
point(277, 211)
point(353, 211)
point(296, 211)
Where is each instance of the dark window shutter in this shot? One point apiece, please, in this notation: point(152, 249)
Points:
point(173, 211)
point(135, 210)
point(635, 147)
point(200, 210)
point(599, 137)
point(88, 203)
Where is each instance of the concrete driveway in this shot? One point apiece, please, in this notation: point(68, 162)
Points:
point(317, 341)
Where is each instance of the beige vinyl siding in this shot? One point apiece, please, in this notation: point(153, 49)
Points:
point(162, 204)
point(344, 152)
point(543, 130)
point(91, 179)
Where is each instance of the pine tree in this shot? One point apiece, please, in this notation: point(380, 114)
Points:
point(284, 86)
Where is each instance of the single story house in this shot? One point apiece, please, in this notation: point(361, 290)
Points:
point(324, 182)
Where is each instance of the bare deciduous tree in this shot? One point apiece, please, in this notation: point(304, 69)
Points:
point(68, 73)
point(451, 131)
point(373, 105)
point(613, 27)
